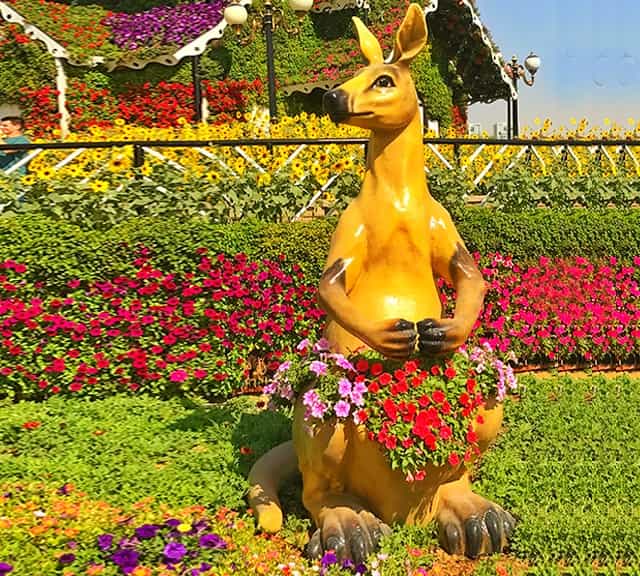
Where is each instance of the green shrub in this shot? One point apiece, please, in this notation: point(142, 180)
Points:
point(59, 251)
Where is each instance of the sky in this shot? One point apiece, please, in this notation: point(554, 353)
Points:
point(590, 53)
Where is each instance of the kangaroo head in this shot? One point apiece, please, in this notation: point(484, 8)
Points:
point(382, 95)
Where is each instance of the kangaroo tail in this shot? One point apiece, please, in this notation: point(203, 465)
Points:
point(265, 477)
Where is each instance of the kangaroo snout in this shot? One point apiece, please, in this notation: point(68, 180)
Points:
point(336, 104)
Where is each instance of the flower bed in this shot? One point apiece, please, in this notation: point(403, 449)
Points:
point(74, 533)
point(221, 328)
point(209, 333)
point(159, 105)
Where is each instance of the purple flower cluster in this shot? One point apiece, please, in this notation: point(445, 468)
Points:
point(171, 543)
point(164, 24)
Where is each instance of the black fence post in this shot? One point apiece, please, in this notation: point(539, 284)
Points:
point(138, 156)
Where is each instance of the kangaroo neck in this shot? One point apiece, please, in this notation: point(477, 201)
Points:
point(395, 164)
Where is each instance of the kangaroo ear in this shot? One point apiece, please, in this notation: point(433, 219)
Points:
point(369, 45)
point(411, 36)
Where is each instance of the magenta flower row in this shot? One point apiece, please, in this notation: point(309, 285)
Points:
point(222, 326)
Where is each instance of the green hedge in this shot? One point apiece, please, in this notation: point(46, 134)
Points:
point(59, 251)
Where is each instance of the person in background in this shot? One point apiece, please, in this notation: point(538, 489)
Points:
point(12, 132)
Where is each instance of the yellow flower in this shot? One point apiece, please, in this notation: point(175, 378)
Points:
point(184, 528)
point(118, 163)
point(329, 198)
point(45, 174)
point(264, 179)
point(28, 179)
point(607, 121)
point(119, 122)
point(182, 121)
point(213, 177)
point(99, 186)
point(146, 169)
point(141, 571)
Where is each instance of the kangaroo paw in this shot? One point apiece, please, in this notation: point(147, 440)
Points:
point(471, 525)
point(352, 535)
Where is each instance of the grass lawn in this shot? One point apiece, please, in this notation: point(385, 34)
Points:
point(567, 467)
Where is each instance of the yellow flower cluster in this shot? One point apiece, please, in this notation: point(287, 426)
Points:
point(99, 169)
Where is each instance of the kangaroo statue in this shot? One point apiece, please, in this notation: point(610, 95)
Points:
point(379, 291)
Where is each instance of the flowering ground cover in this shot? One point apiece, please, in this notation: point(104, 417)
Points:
point(222, 324)
point(150, 487)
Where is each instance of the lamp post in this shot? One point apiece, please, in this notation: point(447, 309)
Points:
point(272, 17)
point(516, 71)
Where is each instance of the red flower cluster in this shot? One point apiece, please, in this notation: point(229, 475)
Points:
point(151, 105)
point(569, 311)
point(423, 411)
point(65, 28)
point(208, 330)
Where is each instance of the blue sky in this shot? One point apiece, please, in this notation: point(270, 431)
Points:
point(590, 51)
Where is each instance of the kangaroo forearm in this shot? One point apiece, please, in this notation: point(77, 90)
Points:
point(470, 288)
point(335, 302)
point(469, 301)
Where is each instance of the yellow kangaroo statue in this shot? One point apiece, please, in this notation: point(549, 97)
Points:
point(379, 291)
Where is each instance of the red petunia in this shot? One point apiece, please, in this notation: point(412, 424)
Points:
point(450, 372)
point(376, 369)
point(435, 370)
point(385, 379)
point(390, 409)
point(362, 365)
point(438, 396)
point(31, 425)
point(453, 459)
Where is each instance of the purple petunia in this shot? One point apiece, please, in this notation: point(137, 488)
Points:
point(5, 568)
point(105, 541)
point(126, 559)
point(343, 363)
point(342, 409)
point(315, 407)
point(174, 551)
point(344, 387)
point(328, 559)
point(164, 24)
point(212, 541)
point(147, 531)
point(173, 522)
point(67, 559)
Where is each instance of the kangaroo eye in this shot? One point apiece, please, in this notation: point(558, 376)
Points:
point(384, 82)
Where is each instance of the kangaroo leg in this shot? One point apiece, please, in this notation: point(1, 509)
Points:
point(265, 478)
point(344, 523)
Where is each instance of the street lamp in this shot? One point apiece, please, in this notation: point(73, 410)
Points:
point(272, 17)
point(515, 70)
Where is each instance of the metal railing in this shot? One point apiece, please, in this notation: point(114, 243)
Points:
point(476, 156)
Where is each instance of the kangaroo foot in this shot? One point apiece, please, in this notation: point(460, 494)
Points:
point(351, 534)
point(471, 525)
